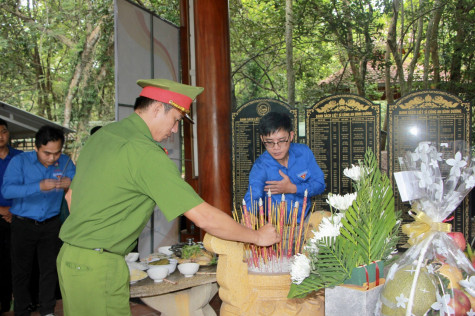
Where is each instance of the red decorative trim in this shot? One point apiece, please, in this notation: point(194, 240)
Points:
point(377, 272)
point(178, 100)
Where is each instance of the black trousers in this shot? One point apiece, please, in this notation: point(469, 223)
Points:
point(5, 267)
point(27, 240)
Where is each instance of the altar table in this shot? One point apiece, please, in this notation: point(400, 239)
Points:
point(189, 296)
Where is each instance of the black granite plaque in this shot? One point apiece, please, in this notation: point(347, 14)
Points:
point(428, 115)
point(339, 130)
point(246, 143)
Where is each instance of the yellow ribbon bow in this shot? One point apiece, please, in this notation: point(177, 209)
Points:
point(416, 231)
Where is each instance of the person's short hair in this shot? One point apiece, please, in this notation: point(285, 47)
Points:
point(273, 122)
point(3, 122)
point(48, 133)
point(142, 103)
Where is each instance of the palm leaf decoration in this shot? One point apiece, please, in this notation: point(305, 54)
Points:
point(369, 233)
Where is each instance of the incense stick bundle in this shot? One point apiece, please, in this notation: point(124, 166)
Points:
point(248, 224)
point(267, 259)
point(302, 217)
point(293, 223)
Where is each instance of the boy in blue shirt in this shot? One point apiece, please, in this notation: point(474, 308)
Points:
point(36, 182)
point(284, 168)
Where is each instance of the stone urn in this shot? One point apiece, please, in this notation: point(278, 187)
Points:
point(249, 293)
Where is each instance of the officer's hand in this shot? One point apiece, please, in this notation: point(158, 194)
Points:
point(282, 186)
point(267, 235)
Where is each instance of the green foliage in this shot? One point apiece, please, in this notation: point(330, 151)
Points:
point(165, 9)
point(369, 233)
point(371, 222)
point(258, 53)
point(42, 43)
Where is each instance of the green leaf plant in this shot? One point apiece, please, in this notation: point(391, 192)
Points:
point(369, 233)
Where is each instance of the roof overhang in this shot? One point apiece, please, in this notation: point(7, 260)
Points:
point(22, 124)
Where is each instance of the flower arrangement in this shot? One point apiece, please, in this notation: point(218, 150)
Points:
point(362, 229)
point(433, 276)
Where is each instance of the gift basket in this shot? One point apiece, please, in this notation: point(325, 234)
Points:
point(433, 276)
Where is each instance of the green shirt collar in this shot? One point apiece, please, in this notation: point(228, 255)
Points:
point(143, 128)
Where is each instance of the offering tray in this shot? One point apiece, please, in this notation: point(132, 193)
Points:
point(193, 252)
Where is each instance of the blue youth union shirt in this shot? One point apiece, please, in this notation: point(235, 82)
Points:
point(21, 183)
point(302, 170)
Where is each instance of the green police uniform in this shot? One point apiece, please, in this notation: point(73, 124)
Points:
point(121, 174)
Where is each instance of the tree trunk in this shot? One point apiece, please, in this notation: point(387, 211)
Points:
point(417, 48)
point(289, 53)
point(434, 48)
point(389, 93)
point(89, 45)
point(456, 66)
point(431, 49)
point(392, 43)
point(352, 57)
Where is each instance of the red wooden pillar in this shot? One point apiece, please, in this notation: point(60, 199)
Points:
point(214, 104)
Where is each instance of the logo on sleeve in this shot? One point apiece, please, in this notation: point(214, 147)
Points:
point(302, 175)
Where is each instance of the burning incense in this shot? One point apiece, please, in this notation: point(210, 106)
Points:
point(248, 224)
point(269, 206)
point(293, 223)
point(261, 223)
point(281, 222)
point(274, 258)
point(302, 219)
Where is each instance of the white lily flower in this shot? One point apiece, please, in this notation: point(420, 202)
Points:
point(401, 301)
point(422, 152)
point(469, 285)
point(354, 173)
point(456, 164)
point(425, 177)
point(442, 304)
point(329, 227)
point(300, 268)
point(341, 203)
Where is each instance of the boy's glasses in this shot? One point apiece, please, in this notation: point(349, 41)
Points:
point(277, 143)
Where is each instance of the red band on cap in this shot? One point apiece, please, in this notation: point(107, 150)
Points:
point(178, 100)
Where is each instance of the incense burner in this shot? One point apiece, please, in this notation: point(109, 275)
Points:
point(249, 293)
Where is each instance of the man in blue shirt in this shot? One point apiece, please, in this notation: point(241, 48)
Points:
point(284, 168)
point(6, 154)
point(36, 182)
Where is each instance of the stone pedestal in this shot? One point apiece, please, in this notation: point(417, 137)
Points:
point(245, 293)
point(192, 302)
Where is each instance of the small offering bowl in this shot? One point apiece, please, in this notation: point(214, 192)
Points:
point(188, 269)
point(158, 273)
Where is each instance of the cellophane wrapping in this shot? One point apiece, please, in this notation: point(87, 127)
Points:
point(433, 276)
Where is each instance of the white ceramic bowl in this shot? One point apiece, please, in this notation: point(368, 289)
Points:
point(158, 273)
point(132, 257)
point(171, 266)
point(165, 250)
point(188, 269)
